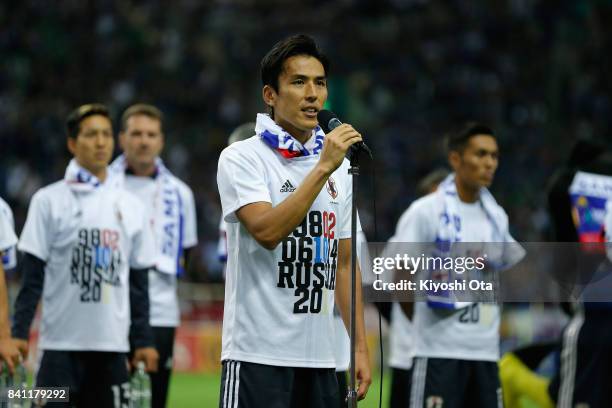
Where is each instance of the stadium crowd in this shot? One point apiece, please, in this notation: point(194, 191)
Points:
point(404, 72)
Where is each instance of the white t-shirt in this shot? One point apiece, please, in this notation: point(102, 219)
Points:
point(470, 333)
point(162, 286)
point(401, 331)
point(88, 242)
point(279, 304)
point(8, 239)
point(401, 339)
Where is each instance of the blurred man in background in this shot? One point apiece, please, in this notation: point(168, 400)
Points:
point(401, 333)
point(87, 249)
point(457, 346)
point(9, 353)
point(286, 197)
point(578, 195)
point(170, 209)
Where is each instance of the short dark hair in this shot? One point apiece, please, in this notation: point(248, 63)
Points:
point(74, 119)
point(242, 132)
point(299, 44)
point(431, 180)
point(456, 141)
point(141, 109)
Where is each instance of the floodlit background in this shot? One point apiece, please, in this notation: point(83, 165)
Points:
point(403, 73)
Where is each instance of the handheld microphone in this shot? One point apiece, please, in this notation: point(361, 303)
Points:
point(328, 121)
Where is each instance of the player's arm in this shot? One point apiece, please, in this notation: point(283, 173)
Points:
point(190, 230)
point(8, 349)
point(270, 225)
point(35, 243)
point(141, 334)
point(141, 255)
point(343, 300)
point(187, 257)
point(414, 230)
point(33, 272)
point(408, 309)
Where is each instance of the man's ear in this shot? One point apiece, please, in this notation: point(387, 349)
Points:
point(269, 95)
point(454, 159)
point(122, 137)
point(71, 144)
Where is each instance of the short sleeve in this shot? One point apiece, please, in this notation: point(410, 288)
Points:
point(414, 225)
point(241, 181)
point(513, 252)
point(344, 225)
point(36, 237)
point(142, 254)
point(190, 229)
point(222, 244)
point(8, 239)
point(7, 234)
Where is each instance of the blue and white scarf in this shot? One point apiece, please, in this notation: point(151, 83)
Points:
point(79, 179)
point(277, 138)
point(448, 233)
point(168, 216)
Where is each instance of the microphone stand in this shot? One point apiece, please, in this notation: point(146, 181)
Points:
point(351, 397)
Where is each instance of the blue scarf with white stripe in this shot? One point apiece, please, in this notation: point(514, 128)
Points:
point(278, 139)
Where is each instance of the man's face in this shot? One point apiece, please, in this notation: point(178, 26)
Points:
point(93, 146)
point(301, 93)
point(476, 165)
point(142, 140)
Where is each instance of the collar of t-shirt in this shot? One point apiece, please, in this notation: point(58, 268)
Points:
point(130, 172)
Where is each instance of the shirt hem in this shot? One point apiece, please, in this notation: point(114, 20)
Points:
point(164, 324)
point(98, 347)
point(401, 365)
point(471, 357)
point(32, 251)
point(276, 361)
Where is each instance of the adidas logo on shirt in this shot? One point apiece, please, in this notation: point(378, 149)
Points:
point(287, 187)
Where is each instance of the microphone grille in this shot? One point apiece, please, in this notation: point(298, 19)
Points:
point(324, 117)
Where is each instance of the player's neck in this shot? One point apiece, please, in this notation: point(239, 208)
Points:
point(100, 174)
point(300, 135)
point(142, 170)
point(467, 194)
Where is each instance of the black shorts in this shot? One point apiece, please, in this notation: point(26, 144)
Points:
point(250, 385)
point(401, 381)
point(450, 383)
point(585, 369)
point(342, 378)
point(95, 379)
point(164, 344)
